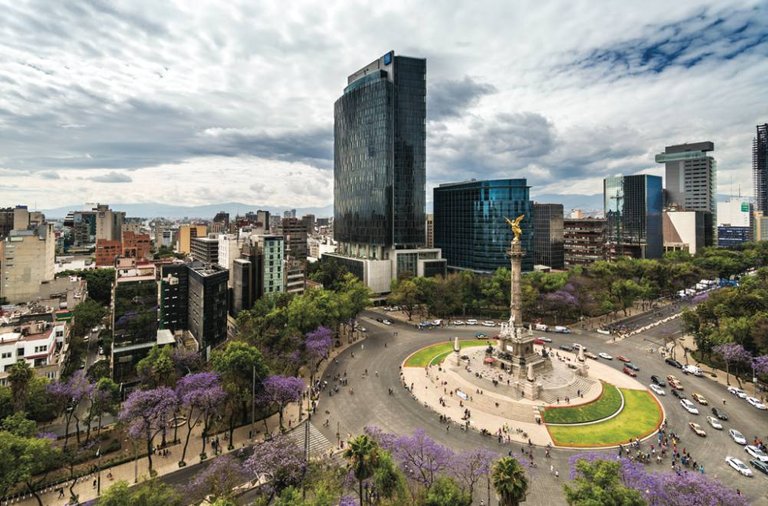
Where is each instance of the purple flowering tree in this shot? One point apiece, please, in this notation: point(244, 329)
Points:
point(279, 461)
point(186, 361)
point(146, 414)
point(281, 391)
point(317, 344)
point(68, 395)
point(733, 354)
point(471, 466)
point(760, 364)
point(200, 396)
point(420, 457)
point(220, 479)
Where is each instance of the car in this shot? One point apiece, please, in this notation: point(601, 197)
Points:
point(566, 347)
point(632, 366)
point(472, 322)
point(591, 355)
point(715, 423)
point(759, 465)
point(480, 335)
point(488, 323)
point(546, 339)
point(363, 329)
point(674, 363)
point(679, 394)
point(623, 358)
point(578, 346)
point(458, 322)
point(604, 355)
point(380, 320)
point(737, 437)
point(657, 389)
point(756, 452)
point(674, 382)
point(692, 369)
point(739, 466)
point(629, 372)
point(539, 342)
point(756, 403)
point(689, 406)
point(655, 379)
point(562, 330)
point(695, 427)
point(386, 322)
point(720, 414)
point(699, 398)
point(738, 392)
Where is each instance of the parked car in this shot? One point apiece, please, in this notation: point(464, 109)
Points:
point(458, 322)
point(720, 414)
point(655, 379)
point(674, 363)
point(604, 355)
point(472, 322)
point(692, 369)
point(591, 355)
point(756, 403)
point(480, 335)
point(759, 465)
point(699, 398)
point(363, 329)
point(623, 358)
point(715, 423)
point(738, 392)
point(629, 372)
point(566, 347)
point(739, 466)
point(689, 406)
point(737, 437)
point(756, 452)
point(489, 323)
point(632, 366)
point(657, 389)
point(380, 320)
point(695, 427)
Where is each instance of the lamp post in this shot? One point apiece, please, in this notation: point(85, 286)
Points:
point(253, 399)
point(754, 378)
point(135, 462)
point(98, 472)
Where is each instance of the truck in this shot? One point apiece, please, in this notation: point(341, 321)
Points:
point(541, 327)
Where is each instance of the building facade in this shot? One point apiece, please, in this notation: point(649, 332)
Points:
point(684, 230)
point(548, 241)
point(109, 223)
point(185, 234)
point(633, 206)
point(584, 240)
point(207, 306)
point(760, 167)
point(470, 228)
point(430, 231)
point(174, 301)
point(27, 259)
point(35, 342)
point(205, 249)
point(107, 252)
point(294, 231)
point(136, 245)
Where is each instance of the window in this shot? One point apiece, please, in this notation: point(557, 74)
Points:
point(6, 354)
point(41, 349)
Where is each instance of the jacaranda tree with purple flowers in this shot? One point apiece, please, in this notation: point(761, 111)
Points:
point(218, 480)
point(317, 344)
point(146, 413)
point(200, 396)
point(419, 456)
point(68, 395)
point(281, 391)
point(760, 365)
point(279, 461)
point(471, 466)
point(733, 354)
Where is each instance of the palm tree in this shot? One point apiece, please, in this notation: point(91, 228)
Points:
point(509, 481)
point(362, 454)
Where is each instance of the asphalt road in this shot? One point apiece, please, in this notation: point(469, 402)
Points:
point(383, 352)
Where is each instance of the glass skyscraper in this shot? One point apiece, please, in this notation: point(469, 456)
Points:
point(633, 206)
point(760, 167)
point(470, 227)
point(548, 241)
point(379, 158)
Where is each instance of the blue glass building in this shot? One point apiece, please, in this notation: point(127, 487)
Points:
point(633, 206)
point(470, 227)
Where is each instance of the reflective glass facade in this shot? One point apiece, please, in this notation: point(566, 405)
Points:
point(470, 226)
point(379, 155)
point(633, 206)
point(548, 235)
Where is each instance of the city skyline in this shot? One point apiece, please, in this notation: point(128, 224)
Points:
point(102, 103)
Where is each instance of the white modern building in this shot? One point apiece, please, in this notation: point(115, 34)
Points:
point(38, 343)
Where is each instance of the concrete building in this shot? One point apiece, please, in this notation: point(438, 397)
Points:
point(37, 342)
point(185, 234)
point(684, 230)
point(429, 227)
point(229, 251)
point(27, 260)
point(174, 296)
point(735, 222)
point(548, 245)
point(294, 231)
point(136, 245)
point(691, 182)
point(760, 230)
point(107, 251)
point(760, 167)
point(294, 276)
point(309, 223)
point(242, 278)
point(109, 223)
point(207, 316)
point(584, 240)
point(205, 249)
point(633, 206)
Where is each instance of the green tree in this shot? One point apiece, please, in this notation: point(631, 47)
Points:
point(20, 376)
point(87, 315)
point(406, 294)
point(625, 292)
point(290, 496)
point(25, 460)
point(157, 368)
point(445, 492)
point(6, 402)
point(99, 282)
point(148, 493)
point(598, 483)
point(362, 454)
point(509, 480)
point(388, 480)
point(19, 425)
point(40, 405)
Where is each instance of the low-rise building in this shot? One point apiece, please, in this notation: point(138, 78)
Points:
point(38, 343)
point(107, 251)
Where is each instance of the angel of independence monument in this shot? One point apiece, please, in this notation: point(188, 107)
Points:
point(515, 343)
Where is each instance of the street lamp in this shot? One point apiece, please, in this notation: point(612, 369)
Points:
point(98, 472)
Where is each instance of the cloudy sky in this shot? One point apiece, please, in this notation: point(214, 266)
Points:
point(200, 102)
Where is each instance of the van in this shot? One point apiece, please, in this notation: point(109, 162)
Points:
point(562, 330)
point(541, 327)
point(692, 369)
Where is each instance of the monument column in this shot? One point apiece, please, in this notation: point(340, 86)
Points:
point(515, 290)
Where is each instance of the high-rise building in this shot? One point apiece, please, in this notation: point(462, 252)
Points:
point(760, 167)
point(633, 206)
point(207, 306)
point(242, 285)
point(309, 222)
point(735, 222)
point(289, 213)
point(430, 231)
point(380, 173)
point(294, 232)
point(109, 223)
point(548, 246)
point(691, 183)
point(174, 301)
point(584, 239)
point(27, 259)
point(205, 249)
point(185, 234)
point(470, 228)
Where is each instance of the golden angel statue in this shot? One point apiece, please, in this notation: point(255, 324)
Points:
point(515, 224)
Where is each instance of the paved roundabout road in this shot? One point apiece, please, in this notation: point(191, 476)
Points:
point(387, 346)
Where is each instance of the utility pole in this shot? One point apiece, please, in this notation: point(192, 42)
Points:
point(253, 399)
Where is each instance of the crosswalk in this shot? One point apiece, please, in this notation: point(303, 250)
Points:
point(319, 445)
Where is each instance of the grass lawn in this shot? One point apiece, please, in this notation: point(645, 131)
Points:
point(605, 405)
point(437, 352)
point(641, 416)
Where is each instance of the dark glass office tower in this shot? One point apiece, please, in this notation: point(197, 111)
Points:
point(548, 245)
point(470, 227)
point(379, 157)
point(633, 206)
point(760, 167)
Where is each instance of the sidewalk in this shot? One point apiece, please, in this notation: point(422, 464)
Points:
point(138, 470)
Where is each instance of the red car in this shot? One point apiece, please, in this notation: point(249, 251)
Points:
point(539, 341)
point(630, 372)
point(623, 358)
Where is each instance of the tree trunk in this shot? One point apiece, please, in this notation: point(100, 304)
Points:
point(149, 451)
point(34, 493)
point(727, 374)
point(190, 425)
point(359, 491)
point(77, 427)
point(231, 429)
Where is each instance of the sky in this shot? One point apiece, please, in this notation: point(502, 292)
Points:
point(193, 103)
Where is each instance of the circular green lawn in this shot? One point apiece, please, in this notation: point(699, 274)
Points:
point(604, 406)
point(437, 352)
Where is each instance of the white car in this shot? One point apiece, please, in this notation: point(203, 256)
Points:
point(715, 423)
point(579, 347)
point(738, 392)
point(657, 389)
point(757, 453)
point(756, 403)
point(692, 369)
point(471, 322)
point(604, 355)
point(386, 322)
point(489, 323)
point(689, 406)
point(739, 466)
point(737, 436)
point(546, 339)
point(458, 322)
